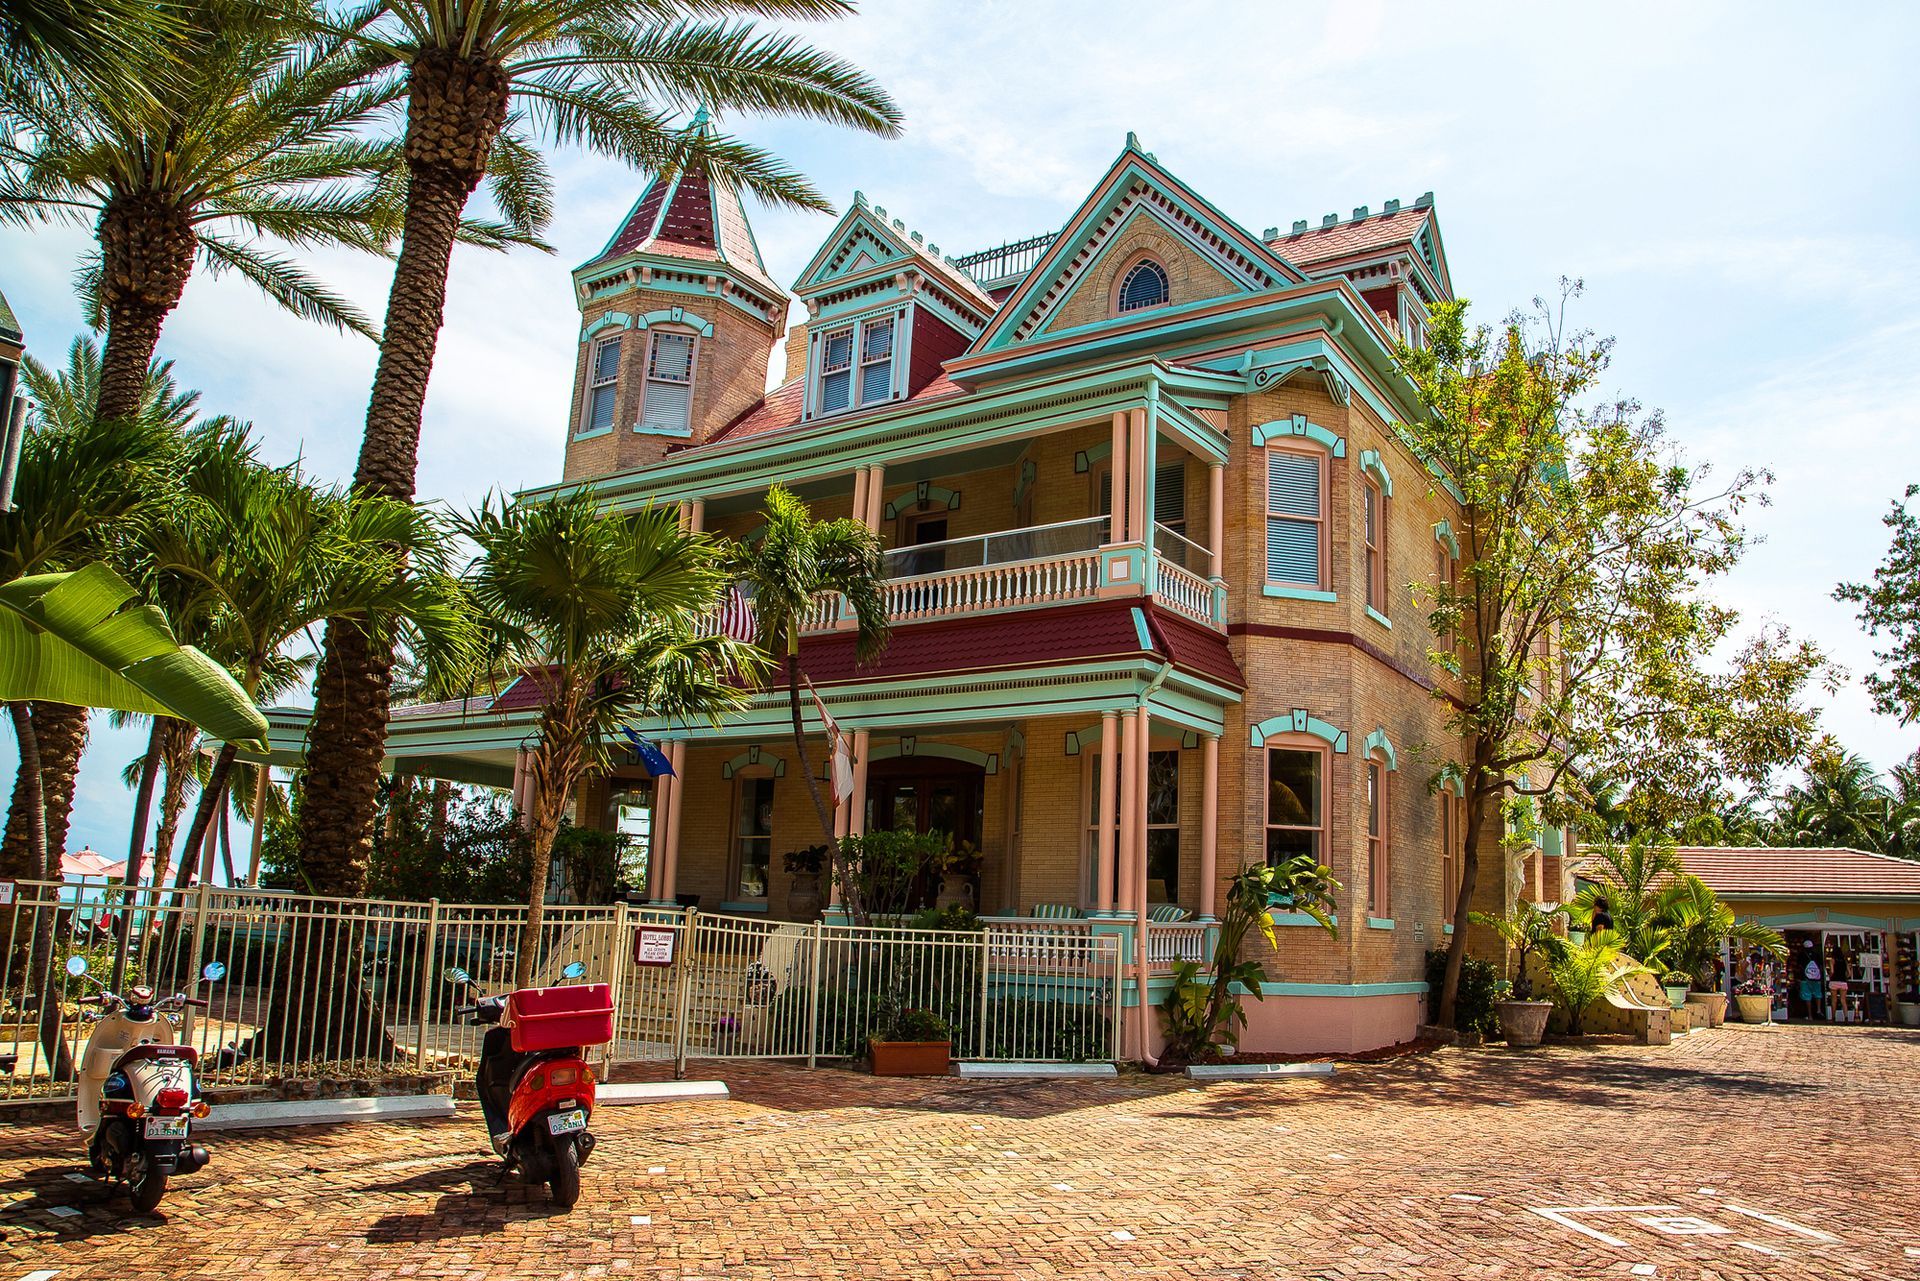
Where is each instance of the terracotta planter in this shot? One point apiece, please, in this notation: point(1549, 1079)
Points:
point(910, 1058)
point(1712, 1006)
point(1755, 1009)
point(803, 896)
point(1909, 1012)
point(1523, 1023)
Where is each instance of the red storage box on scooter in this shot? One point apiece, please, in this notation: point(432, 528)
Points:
point(556, 1018)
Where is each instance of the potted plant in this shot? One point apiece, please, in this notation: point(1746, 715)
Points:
point(1677, 983)
point(1527, 930)
point(803, 887)
point(1582, 975)
point(914, 1042)
point(958, 868)
point(1754, 1000)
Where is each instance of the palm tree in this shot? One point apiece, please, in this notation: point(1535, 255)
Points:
point(1694, 922)
point(796, 561)
point(1526, 929)
point(92, 43)
point(480, 81)
point(1628, 885)
point(599, 611)
point(1841, 804)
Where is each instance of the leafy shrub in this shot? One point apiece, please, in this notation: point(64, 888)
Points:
point(914, 1023)
point(1480, 990)
point(956, 917)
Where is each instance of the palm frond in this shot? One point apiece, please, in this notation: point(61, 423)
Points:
point(284, 282)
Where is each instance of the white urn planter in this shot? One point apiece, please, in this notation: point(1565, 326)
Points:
point(1523, 1023)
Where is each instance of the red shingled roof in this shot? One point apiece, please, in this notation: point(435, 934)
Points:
point(1318, 245)
point(782, 407)
point(1790, 873)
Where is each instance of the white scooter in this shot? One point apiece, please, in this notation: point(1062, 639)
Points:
point(138, 1093)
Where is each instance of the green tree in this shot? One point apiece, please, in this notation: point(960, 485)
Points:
point(1890, 604)
point(81, 44)
point(1582, 974)
point(1627, 881)
point(1586, 547)
point(1840, 803)
point(1693, 923)
point(599, 610)
point(480, 82)
point(1527, 930)
point(794, 564)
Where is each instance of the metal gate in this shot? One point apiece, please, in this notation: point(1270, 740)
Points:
point(744, 988)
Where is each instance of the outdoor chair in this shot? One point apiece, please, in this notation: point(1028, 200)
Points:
point(1057, 912)
point(1168, 914)
point(1637, 1005)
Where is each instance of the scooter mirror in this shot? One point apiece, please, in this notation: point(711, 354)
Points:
point(573, 971)
point(213, 971)
point(454, 974)
point(76, 965)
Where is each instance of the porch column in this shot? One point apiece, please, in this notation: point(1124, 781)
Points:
point(1129, 798)
point(1117, 518)
point(860, 494)
point(693, 514)
point(670, 855)
point(1143, 735)
point(1109, 776)
point(876, 491)
point(857, 820)
point(1216, 520)
point(1138, 470)
point(1209, 819)
point(259, 824)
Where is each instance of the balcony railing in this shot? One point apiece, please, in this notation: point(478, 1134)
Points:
point(1004, 547)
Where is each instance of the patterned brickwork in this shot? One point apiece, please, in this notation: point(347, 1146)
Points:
point(1428, 1167)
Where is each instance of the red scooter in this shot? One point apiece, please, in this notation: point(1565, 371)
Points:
point(536, 1090)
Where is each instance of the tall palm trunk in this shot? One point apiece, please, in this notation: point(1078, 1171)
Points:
point(39, 958)
point(146, 248)
point(849, 891)
point(455, 109)
point(137, 850)
point(59, 733)
point(176, 764)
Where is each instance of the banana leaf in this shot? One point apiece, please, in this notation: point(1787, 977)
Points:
point(85, 639)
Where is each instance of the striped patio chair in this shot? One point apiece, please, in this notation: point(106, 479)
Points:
point(1057, 912)
point(1168, 914)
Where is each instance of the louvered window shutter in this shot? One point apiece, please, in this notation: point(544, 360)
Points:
point(669, 400)
point(836, 372)
point(1293, 518)
point(876, 361)
point(1170, 496)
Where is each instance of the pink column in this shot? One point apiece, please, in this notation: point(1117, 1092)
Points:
point(1217, 520)
point(1129, 798)
point(860, 494)
point(875, 506)
point(1117, 521)
point(1109, 776)
point(1143, 736)
point(670, 862)
point(1209, 822)
point(1137, 470)
point(857, 820)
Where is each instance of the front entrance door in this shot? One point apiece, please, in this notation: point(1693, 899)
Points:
point(930, 795)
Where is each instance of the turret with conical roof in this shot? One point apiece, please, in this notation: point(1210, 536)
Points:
point(678, 321)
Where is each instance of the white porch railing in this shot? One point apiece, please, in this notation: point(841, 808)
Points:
point(991, 587)
point(1002, 547)
point(1185, 592)
point(1181, 941)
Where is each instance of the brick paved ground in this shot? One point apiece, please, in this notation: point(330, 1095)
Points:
point(1425, 1167)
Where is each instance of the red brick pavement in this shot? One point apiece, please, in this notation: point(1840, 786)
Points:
point(1426, 1167)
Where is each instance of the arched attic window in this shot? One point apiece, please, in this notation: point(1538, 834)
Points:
point(1144, 285)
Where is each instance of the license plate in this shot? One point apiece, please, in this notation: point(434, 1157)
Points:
point(166, 1127)
point(567, 1122)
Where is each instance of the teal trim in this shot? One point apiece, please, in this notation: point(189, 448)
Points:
point(1371, 463)
point(1379, 618)
point(1443, 533)
point(924, 494)
point(1298, 919)
point(676, 316)
point(1116, 239)
point(745, 905)
point(1447, 929)
point(610, 320)
point(1299, 722)
point(1299, 426)
point(1131, 555)
point(754, 756)
point(1280, 592)
point(915, 748)
point(1078, 740)
point(1448, 780)
point(1378, 742)
point(1378, 923)
point(591, 432)
point(1830, 918)
point(1140, 628)
point(1272, 987)
point(679, 433)
point(1084, 460)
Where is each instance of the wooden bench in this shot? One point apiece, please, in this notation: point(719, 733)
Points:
point(1637, 1005)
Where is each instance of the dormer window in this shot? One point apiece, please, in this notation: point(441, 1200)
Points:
point(603, 377)
point(856, 365)
point(1144, 285)
point(667, 406)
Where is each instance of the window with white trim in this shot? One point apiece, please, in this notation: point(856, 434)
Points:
point(668, 402)
point(1145, 285)
point(857, 365)
point(603, 385)
point(752, 837)
point(1296, 803)
point(1296, 517)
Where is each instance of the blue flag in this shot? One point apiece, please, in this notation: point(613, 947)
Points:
point(650, 756)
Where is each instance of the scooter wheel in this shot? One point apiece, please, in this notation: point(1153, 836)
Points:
point(145, 1184)
point(565, 1179)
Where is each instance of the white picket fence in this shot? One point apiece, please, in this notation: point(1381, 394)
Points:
point(323, 988)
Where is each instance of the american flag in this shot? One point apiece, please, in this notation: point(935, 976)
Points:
point(736, 615)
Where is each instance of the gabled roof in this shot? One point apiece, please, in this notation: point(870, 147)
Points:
point(691, 216)
point(1798, 873)
point(781, 409)
point(9, 324)
point(1135, 182)
point(865, 242)
point(1325, 246)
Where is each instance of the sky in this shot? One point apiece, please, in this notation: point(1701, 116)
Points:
point(1733, 182)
